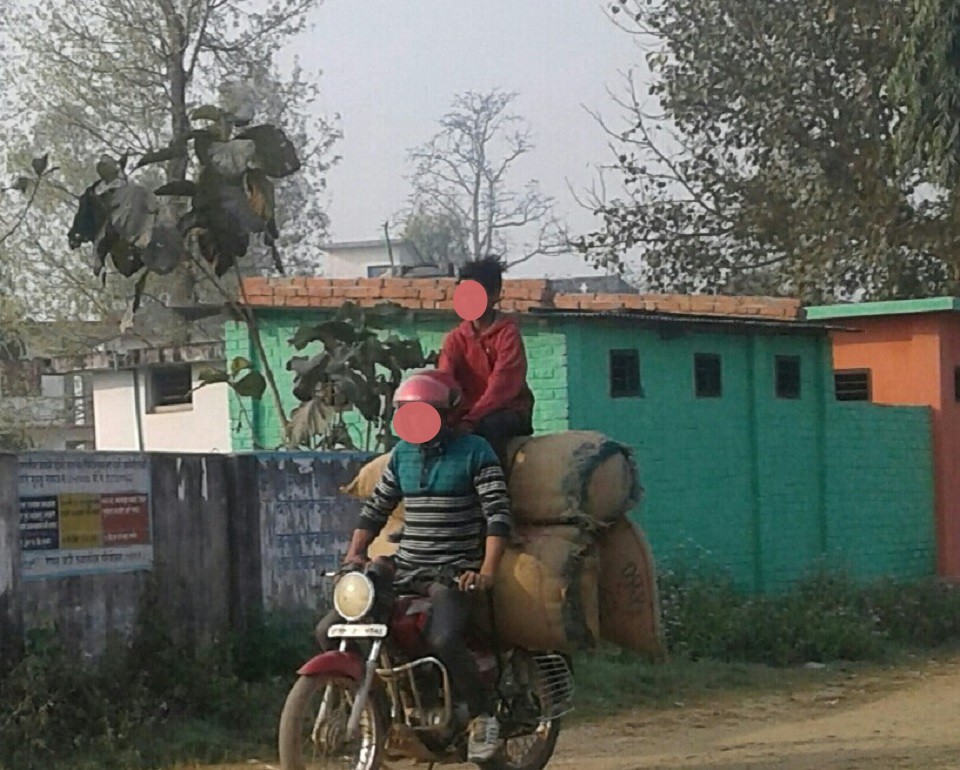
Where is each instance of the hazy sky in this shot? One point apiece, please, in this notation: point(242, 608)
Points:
point(391, 68)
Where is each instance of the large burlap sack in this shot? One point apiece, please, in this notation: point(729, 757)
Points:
point(629, 604)
point(366, 479)
point(567, 477)
point(564, 476)
point(545, 593)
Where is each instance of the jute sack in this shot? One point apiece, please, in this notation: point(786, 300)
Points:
point(629, 604)
point(366, 479)
point(567, 477)
point(545, 593)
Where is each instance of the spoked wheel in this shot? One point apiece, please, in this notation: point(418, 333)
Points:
point(306, 745)
point(527, 752)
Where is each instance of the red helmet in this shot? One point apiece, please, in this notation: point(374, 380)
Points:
point(429, 386)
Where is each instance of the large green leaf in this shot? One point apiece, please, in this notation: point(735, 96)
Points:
point(236, 211)
point(385, 314)
point(207, 112)
point(39, 165)
point(351, 313)
point(233, 158)
point(133, 212)
point(327, 332)
point(182, 187)
point(306, 421)
point(251, 385)
point(108, 168)
point(408, 354)
point(126, 258)
point(90, 217)
point(165, 250)
point(276, 155)
point(173, 152)
point(209, 376)
point(309, 372)
point(202, 142)
point(238, 364)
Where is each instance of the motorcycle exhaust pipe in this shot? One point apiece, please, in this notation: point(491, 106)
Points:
point(353, 723)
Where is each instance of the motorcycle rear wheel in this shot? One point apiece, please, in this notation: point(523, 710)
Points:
point(298, 751)
point(531, 752)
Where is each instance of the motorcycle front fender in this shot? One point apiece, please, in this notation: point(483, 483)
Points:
point(346, 665)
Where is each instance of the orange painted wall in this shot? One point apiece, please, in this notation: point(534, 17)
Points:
point(912, 359)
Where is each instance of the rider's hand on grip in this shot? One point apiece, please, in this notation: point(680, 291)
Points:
point(353, 563)
point(475, 581)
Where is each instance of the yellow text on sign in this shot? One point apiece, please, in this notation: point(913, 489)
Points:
point(81, 525)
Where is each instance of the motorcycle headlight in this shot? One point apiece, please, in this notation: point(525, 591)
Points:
point(353, 596)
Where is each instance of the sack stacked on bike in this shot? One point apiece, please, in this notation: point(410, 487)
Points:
point(578, 571)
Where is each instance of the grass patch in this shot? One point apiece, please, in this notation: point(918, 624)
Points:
point(825, 617)
point(608, 683)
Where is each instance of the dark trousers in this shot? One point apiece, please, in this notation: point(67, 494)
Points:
point(450, 615)
point(499, 427)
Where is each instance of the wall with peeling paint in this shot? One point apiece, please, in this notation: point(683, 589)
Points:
point(305, 524)
point(233, 535)
point(10, 610)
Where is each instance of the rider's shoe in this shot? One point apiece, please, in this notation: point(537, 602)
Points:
point(484, 738)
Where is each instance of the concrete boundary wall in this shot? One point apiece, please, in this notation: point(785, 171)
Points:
point(235, 536)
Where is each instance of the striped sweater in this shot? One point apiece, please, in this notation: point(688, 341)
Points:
point(455, 496)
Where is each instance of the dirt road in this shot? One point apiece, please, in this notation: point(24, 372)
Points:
point(903, 719)
point(909, 720)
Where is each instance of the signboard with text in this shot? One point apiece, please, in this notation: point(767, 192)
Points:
point(83, 514)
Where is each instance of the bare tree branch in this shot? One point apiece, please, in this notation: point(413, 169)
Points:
point(464, 172)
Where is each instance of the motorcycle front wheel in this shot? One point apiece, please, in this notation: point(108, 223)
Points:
point(304, 745)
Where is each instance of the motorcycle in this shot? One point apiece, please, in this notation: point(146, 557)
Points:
point(382, 697)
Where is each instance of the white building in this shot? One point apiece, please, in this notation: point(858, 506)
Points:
point(151, 399)
point(57, 416)
point(372, 259)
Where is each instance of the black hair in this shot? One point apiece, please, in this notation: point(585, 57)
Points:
point(487, 272)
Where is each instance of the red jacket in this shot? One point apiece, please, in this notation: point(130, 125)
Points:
point(491, 368)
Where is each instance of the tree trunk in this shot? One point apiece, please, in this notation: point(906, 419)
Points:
point(183, 282)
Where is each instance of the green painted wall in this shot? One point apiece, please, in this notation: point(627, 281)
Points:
point(880, 500)
point(546, 350)
point(762, 486)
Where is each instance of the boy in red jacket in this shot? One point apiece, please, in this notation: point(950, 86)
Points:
point(488, 360)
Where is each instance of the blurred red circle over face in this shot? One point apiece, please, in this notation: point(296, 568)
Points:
point(417, 422)
point(470, 300)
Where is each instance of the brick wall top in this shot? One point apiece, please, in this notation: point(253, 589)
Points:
point(519, 295)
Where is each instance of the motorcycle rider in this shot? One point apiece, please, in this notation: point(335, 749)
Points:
point(488, 359)
point(457, 523)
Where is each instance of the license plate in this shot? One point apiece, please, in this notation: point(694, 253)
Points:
point(366, 631)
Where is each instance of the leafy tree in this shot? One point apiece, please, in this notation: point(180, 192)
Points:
point(764, 153)
point(925, 83)
point(355, 370)
point(231, 201)
point(122, 77)
point(463, 181)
